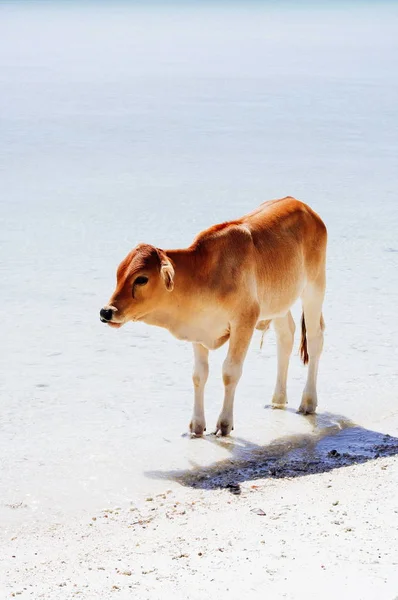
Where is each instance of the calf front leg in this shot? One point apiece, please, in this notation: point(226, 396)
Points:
point(240, 337)
point(199, 378)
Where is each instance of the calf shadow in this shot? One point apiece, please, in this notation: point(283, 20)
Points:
point(334, 442)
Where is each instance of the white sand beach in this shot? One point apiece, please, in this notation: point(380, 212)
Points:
point(122, 124)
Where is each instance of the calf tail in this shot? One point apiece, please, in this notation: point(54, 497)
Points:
point(303, 344)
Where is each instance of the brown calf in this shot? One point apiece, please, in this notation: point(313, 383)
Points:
point(235, 277)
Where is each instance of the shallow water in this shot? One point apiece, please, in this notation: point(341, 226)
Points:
point(129, 124)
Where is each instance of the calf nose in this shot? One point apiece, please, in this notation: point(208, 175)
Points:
point(106, 314)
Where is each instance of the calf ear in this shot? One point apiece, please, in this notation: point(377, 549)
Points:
point(167, 273)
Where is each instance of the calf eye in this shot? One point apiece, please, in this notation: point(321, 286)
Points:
point(140, 281)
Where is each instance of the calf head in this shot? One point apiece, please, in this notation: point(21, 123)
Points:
point(144, 278)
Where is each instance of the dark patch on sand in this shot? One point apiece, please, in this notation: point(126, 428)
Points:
point(335, 443)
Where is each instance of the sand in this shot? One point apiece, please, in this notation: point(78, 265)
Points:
point(330, 535)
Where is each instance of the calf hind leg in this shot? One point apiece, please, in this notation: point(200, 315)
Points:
point(312, 342)
point(284, 329)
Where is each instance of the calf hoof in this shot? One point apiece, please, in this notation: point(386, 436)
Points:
point(279, 401)
point(224, 427)
point(197, 427)
point(308, 405)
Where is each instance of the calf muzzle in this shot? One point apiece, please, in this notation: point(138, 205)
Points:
point(106, 314)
